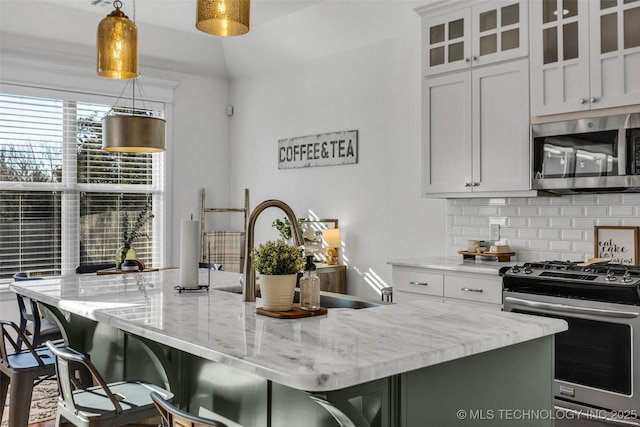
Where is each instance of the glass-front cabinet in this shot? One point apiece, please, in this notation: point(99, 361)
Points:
point(585, 55)
point(487, 33)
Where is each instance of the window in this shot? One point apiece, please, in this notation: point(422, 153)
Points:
point(62, 198)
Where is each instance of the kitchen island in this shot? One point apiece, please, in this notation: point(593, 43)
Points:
point(414, 364)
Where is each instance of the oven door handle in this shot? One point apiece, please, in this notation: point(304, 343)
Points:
point(563, 308)
point(578, 414)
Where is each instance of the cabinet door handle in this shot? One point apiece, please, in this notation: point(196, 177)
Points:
point(464, 288)
point(475, 184)
point(583, 101)
point(468, 184)
point(594, 100)
point(413, 282)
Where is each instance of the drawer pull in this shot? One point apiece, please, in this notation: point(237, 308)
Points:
point(464, 288)
point(413, 282)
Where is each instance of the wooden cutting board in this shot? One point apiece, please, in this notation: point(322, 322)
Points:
point(295, 313)
point(501, 256)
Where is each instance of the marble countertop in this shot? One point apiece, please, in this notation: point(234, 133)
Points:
point(344, 348)
point(450, 263)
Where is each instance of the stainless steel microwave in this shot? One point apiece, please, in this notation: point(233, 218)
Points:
point(594, 155)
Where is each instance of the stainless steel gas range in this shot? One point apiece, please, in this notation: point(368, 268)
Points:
point(596, 378)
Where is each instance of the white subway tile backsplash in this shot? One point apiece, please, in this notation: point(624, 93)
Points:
point(470, 210)
point(507, 211)
point(519, 221)
point(608, 221)
point(461, 220)
point(559, 222)
point(584, 222)
point(550, 234)
point(561, 246)
point(556, 201)
point(542, 228)
point(550, 211)
point(528, 211)
point(608, 199)
point(528, 233)
point(540, 245)
point(586, 247)
point(540, 201)
point(575, 234)
point(539, 222)
point(584, 199)
point(571, 211)
point(596, 211)
point(631, 198)
point(488, 211)
point(621, 211)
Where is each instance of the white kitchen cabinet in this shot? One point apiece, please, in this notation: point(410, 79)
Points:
point(584, 55)
point(410, 284)
point(475, 130)
point(463, 37)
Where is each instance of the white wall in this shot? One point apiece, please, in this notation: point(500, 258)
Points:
point(199, 155)
point(374, 89)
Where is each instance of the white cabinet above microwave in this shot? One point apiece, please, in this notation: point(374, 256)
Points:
point(585, 54)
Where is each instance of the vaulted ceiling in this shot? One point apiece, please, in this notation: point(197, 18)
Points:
point(283, 32)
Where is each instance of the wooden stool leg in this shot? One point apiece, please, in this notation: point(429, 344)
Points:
point(20, 401)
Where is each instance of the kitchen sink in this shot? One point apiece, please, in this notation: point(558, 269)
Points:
point(327, 299)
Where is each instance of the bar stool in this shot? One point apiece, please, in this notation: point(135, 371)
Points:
point(32, 323)
point(113, 404)
point(174, 417)
point(21, 369)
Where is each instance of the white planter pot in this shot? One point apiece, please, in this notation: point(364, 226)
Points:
point(277, 291)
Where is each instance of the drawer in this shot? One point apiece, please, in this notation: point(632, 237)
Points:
point(418, 281)
point(473, 289)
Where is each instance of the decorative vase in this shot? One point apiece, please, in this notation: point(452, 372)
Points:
point(277, 291)
point(124, 252)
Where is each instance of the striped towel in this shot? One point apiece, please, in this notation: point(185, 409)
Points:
point(227, 248)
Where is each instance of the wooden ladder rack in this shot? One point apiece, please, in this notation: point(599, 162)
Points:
point(205, 210)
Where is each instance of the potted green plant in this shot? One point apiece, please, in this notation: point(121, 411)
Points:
point(129, 234)
point(278, 264)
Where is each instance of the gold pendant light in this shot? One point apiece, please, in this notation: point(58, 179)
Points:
point(223, 17)
point(117, 45)
point(137, 132)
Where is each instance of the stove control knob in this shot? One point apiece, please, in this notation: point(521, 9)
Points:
point(515, 269)
point(611, 276)
point(527, 270)
point(626, 277)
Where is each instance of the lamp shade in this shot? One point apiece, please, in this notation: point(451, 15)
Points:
point(223, 17)
point(133, 134)
point(117, 46)
point(331, 237)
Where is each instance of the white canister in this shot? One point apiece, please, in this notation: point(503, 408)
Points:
point(471, 245)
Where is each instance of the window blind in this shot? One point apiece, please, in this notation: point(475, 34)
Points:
point(63, 198)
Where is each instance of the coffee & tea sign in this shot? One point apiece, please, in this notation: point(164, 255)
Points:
point(327, 149)
point(617, 244)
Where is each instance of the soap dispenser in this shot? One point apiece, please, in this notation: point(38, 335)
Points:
point(310, 287)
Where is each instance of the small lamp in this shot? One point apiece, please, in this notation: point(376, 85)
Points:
point(331, 237)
